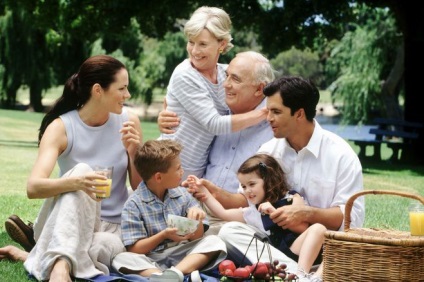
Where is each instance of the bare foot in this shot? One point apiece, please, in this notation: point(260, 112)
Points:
point(13, 253)
point(60, 271)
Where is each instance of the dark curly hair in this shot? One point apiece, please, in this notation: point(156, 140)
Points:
point(267, 167)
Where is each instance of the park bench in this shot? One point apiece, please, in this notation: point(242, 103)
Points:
point(395, 133)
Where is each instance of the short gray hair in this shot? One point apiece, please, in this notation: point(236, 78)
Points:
point(216, 20)
point(262, 69)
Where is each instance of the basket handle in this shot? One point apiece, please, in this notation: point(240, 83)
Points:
point(349, 203)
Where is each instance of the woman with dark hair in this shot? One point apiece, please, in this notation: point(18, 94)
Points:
point(76, 234)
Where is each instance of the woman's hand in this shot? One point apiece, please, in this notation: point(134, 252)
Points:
point(130, 137)
point(88, 184)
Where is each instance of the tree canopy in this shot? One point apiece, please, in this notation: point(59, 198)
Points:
point(43, 41)
point(56, 35)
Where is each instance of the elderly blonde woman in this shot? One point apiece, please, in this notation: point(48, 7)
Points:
point(196, 93)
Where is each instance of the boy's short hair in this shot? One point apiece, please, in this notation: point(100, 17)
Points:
point(155, 156)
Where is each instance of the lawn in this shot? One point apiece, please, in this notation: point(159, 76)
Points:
point(18, 150)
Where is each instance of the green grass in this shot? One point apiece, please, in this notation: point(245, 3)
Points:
point(18, 150)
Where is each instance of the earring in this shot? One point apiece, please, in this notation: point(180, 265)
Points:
point(220, 51)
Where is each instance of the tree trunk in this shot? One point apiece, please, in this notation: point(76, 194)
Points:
point(391, 87)
point(35, 97)
point(11, 91)
point(414, 62)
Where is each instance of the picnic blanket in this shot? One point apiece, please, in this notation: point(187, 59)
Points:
point(66, 227)
point(138, 278)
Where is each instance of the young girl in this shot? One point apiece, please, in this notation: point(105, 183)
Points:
point(265, 187)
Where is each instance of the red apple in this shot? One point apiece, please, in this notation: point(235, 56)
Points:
point(249, 268)
point(226, 264)
point(228, 272)
point(261, 271)
point(258, 264)
point(241, 272)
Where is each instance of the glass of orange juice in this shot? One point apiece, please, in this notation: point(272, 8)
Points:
point(106, 171)
point(416, 219)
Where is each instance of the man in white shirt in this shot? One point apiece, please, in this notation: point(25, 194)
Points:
point(318, 164)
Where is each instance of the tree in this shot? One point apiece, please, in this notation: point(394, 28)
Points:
point(296, 62)
point(279, 25)
point(409, 18)
point(26, 50)
point(301, 21)
point(362, 61)
point(44, 41)
point(21, 60)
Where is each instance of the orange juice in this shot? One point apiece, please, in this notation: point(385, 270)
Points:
point(416, 220)
point(106, 188)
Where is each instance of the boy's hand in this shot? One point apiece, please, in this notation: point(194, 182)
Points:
point(171, 234)
point(196, 213)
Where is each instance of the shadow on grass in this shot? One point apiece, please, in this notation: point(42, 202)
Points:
point(15, 143)
point(375, 167)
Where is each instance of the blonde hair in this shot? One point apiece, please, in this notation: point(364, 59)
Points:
point(216, 20)
point(262, 69)
point(156, 156)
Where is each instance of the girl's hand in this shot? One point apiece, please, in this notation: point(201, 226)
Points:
point(266, 208)
point(130, 137)
point(195, 188)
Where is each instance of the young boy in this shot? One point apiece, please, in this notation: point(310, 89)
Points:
point(151, 245)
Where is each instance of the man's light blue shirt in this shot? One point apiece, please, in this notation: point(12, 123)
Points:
point(229, 151)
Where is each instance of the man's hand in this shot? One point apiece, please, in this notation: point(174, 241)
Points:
point(212, 188)
point(290, 216)
point(167, 120)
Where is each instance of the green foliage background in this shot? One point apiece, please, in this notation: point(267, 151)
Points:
point(360, 64)
point(343, 43)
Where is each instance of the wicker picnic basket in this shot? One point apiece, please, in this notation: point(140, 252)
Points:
point(370, 254)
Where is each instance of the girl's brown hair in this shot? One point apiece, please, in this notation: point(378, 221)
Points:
point(267, 167)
